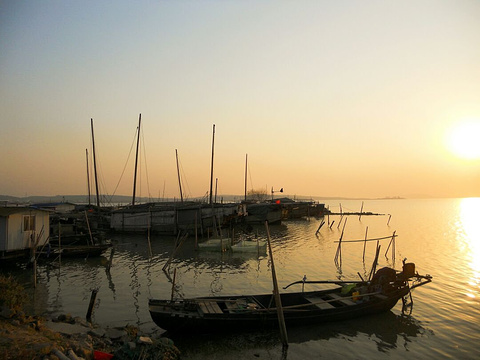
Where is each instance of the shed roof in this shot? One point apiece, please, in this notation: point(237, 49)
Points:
point(10, 210)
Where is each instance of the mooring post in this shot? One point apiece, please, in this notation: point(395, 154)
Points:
point(173, 283)
point(110, 259)
point(319, 227)
point(365, 243)
point(148, 234)
point(276, 293)
point(90, 306)
point(34, 267)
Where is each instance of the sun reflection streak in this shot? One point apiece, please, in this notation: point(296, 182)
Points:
point(469, 217)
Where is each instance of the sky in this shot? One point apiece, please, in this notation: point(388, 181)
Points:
point(364, 99)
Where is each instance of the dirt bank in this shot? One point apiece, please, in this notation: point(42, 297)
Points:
point(33, 337)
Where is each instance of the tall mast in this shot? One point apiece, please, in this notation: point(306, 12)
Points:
point(95, 165)
point(136, 160)
point(179, 181)
point(246, 161)
point(88, 178)
point(211, 169)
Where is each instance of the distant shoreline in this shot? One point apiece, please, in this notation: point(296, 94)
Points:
point(124, 199)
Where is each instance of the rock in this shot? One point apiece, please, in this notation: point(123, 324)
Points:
point(98, 332)
point(59, 354)
point(144, 340)
point(20, 315)
point(6, 312)
point(72, 355)
point(67, 329)
point(42, 348)
point(81, 321)
point(114, 333)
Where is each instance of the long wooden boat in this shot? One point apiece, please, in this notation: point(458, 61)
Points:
point(74, 251)
point(84, 250)
point(226, 313)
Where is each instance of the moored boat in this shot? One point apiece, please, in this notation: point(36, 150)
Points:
point(215, 244)
point(226, 313)
point(249, 245)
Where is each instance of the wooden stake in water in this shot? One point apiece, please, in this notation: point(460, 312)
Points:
point(148, 234)
point(320, 226)
point(375, 261)
point(332, 224)
point(365, 243)
point(173, 283)
point(88, 227)
point(90, 306)
point(276, 293)
point(110, 259)
point(338, 255)
point(196, 231)
point(59, 245)
point(392, 243)
point(361, 211)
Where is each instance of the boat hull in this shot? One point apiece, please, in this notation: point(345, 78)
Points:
point(216, 314)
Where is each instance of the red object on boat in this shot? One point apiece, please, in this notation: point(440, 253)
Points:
point(100, 355)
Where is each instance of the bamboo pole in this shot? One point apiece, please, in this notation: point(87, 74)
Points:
point(320, 226)
point(59, 245)
point(110, 259)
point(392, 243)
point(88, 227)
point(276, 293)
point(177, 247)
point(196, 231)
point(338, 255)
point(361, 211)
point(173, 284)
point(365, 243)
point(148, 233)
point(374, 265)
point(34, 266)
point(373, 239)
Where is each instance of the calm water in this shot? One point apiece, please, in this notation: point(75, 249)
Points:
point(441, 236)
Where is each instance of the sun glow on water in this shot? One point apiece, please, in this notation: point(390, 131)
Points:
point(469, 215)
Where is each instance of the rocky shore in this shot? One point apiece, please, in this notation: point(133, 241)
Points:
point(70, 338)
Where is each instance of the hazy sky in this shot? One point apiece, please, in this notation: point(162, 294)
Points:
point(328, 98)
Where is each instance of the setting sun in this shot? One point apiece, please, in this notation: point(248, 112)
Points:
point(464, 139)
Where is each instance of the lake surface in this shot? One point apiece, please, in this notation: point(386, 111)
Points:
point(441, 236)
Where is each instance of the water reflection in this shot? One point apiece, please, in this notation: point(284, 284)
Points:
point(386, 331)
point(470, 236)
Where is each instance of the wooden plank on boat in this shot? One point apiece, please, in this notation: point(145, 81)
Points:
point(203, 307)
point(341, 299)
point(320, 303)
point(215, 308)
point(210, 307)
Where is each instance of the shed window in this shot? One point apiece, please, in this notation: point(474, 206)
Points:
point(29, 223)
